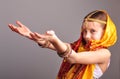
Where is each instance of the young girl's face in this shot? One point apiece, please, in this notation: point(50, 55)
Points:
point(92, 31)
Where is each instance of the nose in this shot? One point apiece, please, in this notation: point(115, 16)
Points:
point(87, 36)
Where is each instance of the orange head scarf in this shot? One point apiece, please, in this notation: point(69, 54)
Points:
point(79, 71)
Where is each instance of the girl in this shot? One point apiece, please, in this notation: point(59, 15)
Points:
point(86, 58)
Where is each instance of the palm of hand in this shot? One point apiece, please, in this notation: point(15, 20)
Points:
point(20, 29)
point(23, 31)
point(41, 39)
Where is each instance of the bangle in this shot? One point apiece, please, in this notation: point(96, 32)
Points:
point(66, 53)
point(62, 54)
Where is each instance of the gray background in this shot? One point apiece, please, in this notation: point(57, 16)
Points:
point(21, 58)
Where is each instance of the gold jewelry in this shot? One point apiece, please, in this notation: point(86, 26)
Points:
point(66, 53)
point(96, 20)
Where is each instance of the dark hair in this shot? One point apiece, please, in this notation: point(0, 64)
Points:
point(100, 15)
point(97, 14)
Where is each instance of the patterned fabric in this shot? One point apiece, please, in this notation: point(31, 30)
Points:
point(79, 71)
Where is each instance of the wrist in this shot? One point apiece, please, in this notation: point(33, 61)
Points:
point(53, 39)
point(66, 53)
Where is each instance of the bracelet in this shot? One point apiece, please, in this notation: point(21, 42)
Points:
point(66, 53)
point(62, 54)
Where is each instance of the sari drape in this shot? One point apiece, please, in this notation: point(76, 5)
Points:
point(80, 71)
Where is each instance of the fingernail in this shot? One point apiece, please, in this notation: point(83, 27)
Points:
point(9, 24)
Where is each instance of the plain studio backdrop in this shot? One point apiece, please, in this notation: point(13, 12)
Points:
point(21, 58)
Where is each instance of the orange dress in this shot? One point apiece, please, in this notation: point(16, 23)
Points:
point(80, 71)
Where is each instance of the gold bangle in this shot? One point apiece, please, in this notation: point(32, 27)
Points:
point(61, 54)
point(66, 52)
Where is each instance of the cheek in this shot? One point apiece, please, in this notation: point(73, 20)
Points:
point(84, 35)
point(97, 36)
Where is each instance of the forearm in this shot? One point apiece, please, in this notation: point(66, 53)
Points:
point(51, 41)
point(58, 45)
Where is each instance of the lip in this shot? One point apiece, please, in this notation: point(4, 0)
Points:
point(88, 41)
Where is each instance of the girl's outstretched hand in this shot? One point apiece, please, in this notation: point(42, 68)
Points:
point(21, 29)
point(49, 36)
point(43, 39)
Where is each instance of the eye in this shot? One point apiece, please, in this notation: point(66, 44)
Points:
point(92, 30)
point(84, 31)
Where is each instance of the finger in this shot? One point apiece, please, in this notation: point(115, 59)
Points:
point(19, 23)
point(12, 27)
point(36, 38)
point(50, 32)
point(33, 36)
point(37, 34)
point(41, 37)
